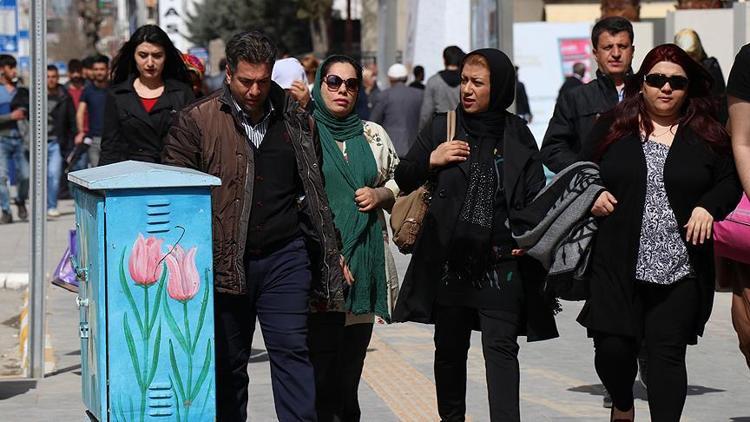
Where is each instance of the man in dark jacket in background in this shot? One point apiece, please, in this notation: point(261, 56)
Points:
point(441, 91)
point(257, 139)
point(577, 109)
point(75, 87)
point(398, 110)
point(11, 142)
point(523, 108)
point(91, 106)
point(575, 79)
point(418, 77)
point(61, 128)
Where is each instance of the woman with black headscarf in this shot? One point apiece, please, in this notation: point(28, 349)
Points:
point(466, 271)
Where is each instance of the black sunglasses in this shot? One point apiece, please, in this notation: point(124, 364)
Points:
point(335, 81)
point(658, 80)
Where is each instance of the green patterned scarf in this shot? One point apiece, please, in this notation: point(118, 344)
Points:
point(361, 233)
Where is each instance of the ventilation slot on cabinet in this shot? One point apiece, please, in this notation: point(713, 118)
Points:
point(160, 399)
point(158, 218)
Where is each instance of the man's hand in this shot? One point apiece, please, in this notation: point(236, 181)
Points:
point(348, 276)
point(449, 152)
point(18, 114)
point(699, 226)
point(604, 205)
point(300, 93)
point(79, 138)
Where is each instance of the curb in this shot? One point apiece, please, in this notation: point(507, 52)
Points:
point(14, 281)
point(23, 333)
point(23, 341)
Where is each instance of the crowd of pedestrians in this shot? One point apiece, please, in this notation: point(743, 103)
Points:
point(647, 297)
point(313, 154)
point(101, 115)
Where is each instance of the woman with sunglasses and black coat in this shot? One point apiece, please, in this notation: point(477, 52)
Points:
point(359, 161)
point(666, 163)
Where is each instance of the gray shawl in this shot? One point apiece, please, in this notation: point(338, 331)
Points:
point(561, 240)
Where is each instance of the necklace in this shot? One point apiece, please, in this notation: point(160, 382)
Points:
point(668, 130)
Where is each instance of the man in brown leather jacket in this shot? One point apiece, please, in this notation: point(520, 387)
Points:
point(275, 246)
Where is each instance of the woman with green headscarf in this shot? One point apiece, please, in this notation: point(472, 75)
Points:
point(359, 162)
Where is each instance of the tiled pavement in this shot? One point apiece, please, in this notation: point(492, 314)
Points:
point(558, 380)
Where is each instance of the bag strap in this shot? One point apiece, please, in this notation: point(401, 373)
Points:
point(451, 125)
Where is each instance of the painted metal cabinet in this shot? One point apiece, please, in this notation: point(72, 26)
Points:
point(146, 292)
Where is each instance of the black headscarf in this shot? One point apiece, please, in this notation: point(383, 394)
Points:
point(483, 213)
point(489, 123)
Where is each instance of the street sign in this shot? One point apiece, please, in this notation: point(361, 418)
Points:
point(8, 26)
point(62, 67)
point(199, 52)
point(172, 19)
point(8, 43)
point(24, 64)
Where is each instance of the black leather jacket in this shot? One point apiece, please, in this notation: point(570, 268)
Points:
point(575, 113)
point(208, 136)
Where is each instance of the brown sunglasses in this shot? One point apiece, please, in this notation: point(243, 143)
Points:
point(335, 81)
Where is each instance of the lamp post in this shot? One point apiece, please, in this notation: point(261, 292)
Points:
point(38, 184)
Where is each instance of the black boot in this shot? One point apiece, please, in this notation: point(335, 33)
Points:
point(23, 214)
point(6, 217)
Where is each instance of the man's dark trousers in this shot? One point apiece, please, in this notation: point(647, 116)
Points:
point(278, 294)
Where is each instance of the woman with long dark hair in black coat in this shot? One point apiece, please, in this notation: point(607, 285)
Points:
point(666, 163)
point(150, 84)
point(466, 271)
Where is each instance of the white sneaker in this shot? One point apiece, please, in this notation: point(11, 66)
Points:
point(53, 213)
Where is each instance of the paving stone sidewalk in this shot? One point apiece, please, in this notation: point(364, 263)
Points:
point(558, 379)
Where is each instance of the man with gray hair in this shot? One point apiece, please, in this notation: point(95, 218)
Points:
point(274, 244)
point(398, 109)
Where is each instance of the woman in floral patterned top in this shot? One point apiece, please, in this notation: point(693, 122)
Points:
point(667, 167)
point(359, 161)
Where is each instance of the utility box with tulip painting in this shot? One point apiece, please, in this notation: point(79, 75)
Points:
point(144, 264)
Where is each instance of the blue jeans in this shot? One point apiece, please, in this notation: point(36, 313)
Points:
point(54, 172)
point(12, 148)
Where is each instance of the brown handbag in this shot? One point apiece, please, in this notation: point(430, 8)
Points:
point(409, 210)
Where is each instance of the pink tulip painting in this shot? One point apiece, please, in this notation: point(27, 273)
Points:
point(184, 281)
point(145, 260)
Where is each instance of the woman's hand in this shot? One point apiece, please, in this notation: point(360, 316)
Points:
point(348, 276)
point(368, 199)
point(299, 92)
point(699, 226)
point(449, 152)
point(604, 205)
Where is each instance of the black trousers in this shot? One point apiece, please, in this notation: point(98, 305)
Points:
point(338, 355)
point(670, 316)
point(453, 326)
point(279, 298)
